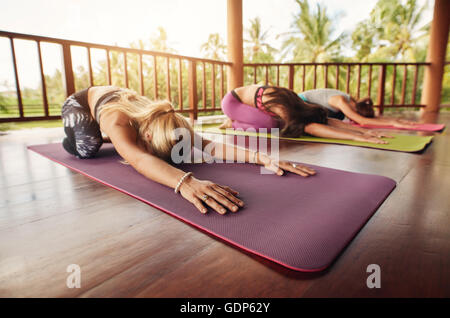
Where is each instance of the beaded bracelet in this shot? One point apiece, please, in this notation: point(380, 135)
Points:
point(187, 174)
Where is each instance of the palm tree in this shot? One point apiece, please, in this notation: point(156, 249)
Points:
point(258, 49)
point(160, 43)
point(312, 39)
point(214, 47)
point(392, 31)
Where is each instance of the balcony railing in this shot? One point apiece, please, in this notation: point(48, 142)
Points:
point(195, 85)
point(388, 84)
point(199, 87)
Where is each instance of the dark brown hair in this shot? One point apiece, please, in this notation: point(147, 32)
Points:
point(364, 107)
point(299, 113)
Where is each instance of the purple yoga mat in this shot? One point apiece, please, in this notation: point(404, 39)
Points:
point(300, 223)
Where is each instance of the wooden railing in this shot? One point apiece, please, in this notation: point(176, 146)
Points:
point(210, 89)
point(348, 77)
point(200, 82)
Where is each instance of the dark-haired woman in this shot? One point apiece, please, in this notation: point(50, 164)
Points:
point(340, 105)
point(269, 107)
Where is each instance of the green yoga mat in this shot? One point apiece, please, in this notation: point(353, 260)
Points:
point(403, 143)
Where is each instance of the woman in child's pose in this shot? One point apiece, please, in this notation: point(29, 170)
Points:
point(340, 105)
point(269, 107)
point(143, 133)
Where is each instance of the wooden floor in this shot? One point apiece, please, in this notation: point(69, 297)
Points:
point(51, 217)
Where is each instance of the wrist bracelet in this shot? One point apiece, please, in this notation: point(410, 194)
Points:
point(177, 188)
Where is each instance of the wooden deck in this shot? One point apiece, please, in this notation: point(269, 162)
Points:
point(51, 217)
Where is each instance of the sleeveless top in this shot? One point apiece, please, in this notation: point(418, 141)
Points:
point(258, 101)
point(82, 99)
point(321, 96)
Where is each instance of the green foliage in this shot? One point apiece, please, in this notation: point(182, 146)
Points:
point(257, 50)
point(311, 38)
point(392, 32)
point(214, 48)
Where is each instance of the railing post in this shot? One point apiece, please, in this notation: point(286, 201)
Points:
point(291, 77)
point(234, 44)
point(44, 88)
point(68, 70)
point(381, 87)
point(432, 80)
point(16, 76)
point(193, 98)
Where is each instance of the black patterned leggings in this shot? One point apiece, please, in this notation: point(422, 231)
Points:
point(83, 137)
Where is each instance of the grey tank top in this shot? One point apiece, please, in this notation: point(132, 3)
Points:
point(321, 96)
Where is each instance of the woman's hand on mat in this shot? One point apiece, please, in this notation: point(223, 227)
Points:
point(218, 197)
point(371, 139)
point(401, 123)
point(280, 166)
point(378, 134)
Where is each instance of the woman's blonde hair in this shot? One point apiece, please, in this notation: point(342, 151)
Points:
point(155, 121)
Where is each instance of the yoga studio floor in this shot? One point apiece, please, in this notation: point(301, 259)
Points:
point(51, 217)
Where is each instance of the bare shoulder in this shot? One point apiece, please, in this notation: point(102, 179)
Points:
point(114, 118)
point(246, 89)
point(337, 101)
point(247, 93)
point(96, 92)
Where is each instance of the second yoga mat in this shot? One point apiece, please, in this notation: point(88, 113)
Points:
point(403, 143)
point(300, 223)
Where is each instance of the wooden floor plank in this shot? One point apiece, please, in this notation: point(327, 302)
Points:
point(51, 217)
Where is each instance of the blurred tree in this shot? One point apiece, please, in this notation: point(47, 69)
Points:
point(392, 32)
point(257, 49)
point(159, 42)
point(311, 38)
point(214, 48)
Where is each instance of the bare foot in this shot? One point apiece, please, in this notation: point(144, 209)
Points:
point(228, 123)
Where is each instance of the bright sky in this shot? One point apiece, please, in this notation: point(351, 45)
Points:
point(187, 22)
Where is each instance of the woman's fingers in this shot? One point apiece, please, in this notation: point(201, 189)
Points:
point(297, 169)
point(309, 170)
point(400, 123)
point(198, 204)
point(378, 134)
point(376, 140)
point(228, 195)
point(224, 201)
point(274, 168)
point(216, 196)
point(408, 122)
point(213, 204)
point(228, 189)
point(373, 140)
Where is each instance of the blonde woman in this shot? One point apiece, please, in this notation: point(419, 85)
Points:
point(143, 133)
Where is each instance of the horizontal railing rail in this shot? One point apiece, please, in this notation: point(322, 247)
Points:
point(346, 76)
point(196, 85)
point(210, 88)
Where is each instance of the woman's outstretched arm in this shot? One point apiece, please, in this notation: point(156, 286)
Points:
point(326, 131)
point(198, 192)
point(237, 154)
point(340, 124)
point(343, 104)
